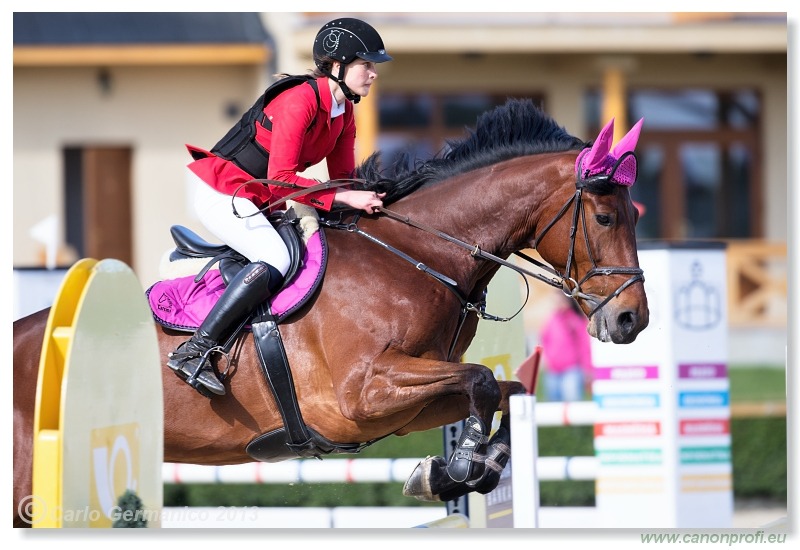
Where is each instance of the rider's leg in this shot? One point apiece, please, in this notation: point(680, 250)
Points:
point(252, 235)
point(256, 239)
point(248, 288)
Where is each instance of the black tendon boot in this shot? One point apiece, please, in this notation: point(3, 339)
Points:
point(466, 462)
point(250, 287)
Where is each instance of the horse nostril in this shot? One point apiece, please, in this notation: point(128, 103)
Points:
point(626, 322)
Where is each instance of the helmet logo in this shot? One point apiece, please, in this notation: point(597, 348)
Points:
point(331, 41)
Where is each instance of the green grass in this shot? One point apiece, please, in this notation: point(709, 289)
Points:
point(757, 383)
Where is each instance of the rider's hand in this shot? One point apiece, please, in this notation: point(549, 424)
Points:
point(368, 201)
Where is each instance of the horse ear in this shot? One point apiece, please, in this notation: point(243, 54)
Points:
point(628, 143)
point(595, 159)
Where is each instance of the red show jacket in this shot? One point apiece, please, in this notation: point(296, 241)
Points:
point(292, 148)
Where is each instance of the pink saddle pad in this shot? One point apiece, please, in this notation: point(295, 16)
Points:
point(183, 304)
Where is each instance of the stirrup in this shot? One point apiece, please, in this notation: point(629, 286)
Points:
point(206, 378)
point(189, 349)
point(198, 371)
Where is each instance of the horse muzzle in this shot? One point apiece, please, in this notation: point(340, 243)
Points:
point(620, 325)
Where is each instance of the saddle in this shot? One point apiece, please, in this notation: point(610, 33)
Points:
point(294, 439)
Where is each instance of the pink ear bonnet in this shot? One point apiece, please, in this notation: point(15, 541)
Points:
point(619, 163)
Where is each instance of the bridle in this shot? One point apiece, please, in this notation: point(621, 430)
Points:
point(569, 286)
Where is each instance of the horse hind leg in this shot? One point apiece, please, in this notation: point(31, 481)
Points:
point(431, 482)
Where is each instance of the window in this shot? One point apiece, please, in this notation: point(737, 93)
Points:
point(419, 125)
point(698, 162)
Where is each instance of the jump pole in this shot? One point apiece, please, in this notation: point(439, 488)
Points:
point(525, 446)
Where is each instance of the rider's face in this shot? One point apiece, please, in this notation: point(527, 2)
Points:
point(359, 76)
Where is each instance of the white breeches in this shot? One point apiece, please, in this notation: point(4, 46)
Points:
point(253, 237)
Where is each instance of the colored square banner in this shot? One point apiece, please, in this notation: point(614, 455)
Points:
point(627, 429)
point(703, 399)
point(705, 455)
point(705, 427)
point(703, 371)
point(626, 373)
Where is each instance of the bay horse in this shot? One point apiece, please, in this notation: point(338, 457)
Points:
point(376, 350)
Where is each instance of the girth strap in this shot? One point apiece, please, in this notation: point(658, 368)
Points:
point(275, 364)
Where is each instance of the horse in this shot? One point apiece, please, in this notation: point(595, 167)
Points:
point(376, 351)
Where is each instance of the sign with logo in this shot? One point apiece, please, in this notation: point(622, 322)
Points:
point(663, 400)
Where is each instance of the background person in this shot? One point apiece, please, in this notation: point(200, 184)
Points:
point(566, 352)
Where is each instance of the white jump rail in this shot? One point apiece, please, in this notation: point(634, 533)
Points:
point(387, 470)
point(359, 470)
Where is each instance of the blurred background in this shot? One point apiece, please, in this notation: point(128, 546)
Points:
point(104, 104)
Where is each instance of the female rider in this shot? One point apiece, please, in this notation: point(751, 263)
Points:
point(307, 126)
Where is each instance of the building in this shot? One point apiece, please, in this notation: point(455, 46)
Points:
point(104, 103)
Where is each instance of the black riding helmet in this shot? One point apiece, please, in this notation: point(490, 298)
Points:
point(344, 40)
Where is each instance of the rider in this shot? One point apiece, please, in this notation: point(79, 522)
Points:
point(306, 129)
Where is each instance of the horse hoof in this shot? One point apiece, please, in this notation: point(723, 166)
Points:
point(419, 483)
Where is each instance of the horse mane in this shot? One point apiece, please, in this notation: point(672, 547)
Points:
point(517, 128)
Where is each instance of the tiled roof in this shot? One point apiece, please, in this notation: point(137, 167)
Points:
point(51, 29)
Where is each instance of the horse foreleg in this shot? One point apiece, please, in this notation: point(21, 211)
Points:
point(453, 409)
point(430, 481)
point(409, 392)
point(467, 463)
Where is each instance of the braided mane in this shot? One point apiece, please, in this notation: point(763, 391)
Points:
point(517, 128)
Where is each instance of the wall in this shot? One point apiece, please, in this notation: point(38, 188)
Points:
point(154, 110)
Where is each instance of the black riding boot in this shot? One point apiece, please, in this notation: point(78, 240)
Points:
point(250, 287)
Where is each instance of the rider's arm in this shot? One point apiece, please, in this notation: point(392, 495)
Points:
point(291, 143)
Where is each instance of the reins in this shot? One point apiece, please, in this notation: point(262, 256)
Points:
point(331, 184)
point(567, 284)
point(478, 308)
point(556, 279)
point(477, 252)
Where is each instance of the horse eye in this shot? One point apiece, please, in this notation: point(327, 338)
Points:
point(603, 219)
